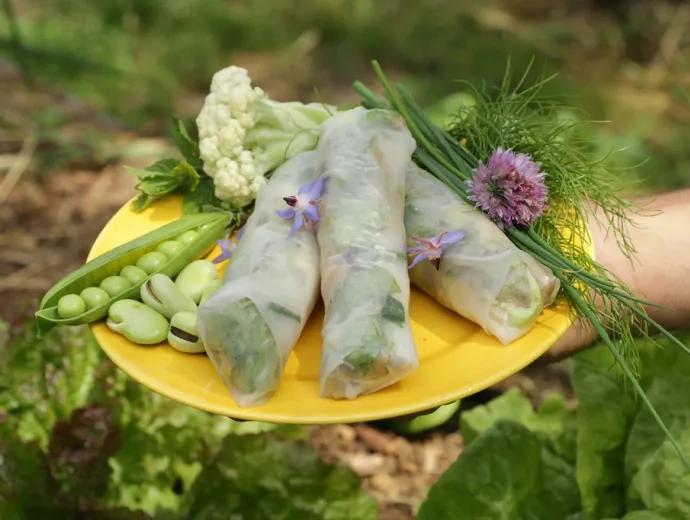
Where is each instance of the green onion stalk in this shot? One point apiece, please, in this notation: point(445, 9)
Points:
point(522, 121)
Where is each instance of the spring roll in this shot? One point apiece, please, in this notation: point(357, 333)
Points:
point(251, 323)
point(367, 338)
point(483, 277)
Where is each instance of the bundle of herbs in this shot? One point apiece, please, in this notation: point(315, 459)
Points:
point(516, 160)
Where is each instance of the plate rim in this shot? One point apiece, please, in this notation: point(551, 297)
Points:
point(357, 415)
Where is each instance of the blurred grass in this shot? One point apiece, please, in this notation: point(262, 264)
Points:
point(138, 60)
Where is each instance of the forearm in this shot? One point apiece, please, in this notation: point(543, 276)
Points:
point(660, 272)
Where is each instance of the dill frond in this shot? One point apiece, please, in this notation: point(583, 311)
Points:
point(522, 120)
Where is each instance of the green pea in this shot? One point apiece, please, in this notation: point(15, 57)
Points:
point(210, 288)
point(114, 285)
point(134, 274)
point(184, 335)
point(171, 248)
point(188, 237)
point(94, 297)
point(71, 306)
point(152, 262)
point(112, 262)
point(137, 322)
point(161, 293)
point(193, 279)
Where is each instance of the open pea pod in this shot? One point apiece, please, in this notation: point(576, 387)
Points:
point(200, 232)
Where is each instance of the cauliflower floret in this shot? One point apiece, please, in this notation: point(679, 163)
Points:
point(243, 135)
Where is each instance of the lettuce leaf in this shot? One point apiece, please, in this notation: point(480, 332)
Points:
point(624, 462)
point(265, 478)
point(508, 472)
point(553, 419)
point(79, 439)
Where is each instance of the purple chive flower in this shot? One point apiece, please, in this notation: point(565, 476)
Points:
point(226, 249)
point(303, 206)
point(510, 189)
point(432, 248)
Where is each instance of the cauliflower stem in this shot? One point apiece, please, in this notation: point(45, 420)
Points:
point(244, 135)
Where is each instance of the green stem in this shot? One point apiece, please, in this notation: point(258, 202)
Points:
point(400, 107)
point(577, 299)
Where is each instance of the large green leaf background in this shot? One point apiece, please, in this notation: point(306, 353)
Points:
point(607, 460)
point(78, 439)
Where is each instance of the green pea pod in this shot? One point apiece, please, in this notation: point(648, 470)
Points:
point(111, 263)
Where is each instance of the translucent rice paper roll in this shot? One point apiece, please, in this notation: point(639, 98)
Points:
point(484, 277)
point(251, 323)
point(367, 339)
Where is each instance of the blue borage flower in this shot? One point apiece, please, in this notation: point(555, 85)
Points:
point(227, 247)
point(432, 248)
point(303, 206)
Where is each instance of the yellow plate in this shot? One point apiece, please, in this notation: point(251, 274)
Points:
point(457, 358)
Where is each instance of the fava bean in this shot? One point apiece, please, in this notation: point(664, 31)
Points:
point(152, 262)
point(137, 322)
point(94, 296)
point(71, 305)
point(114, 285)
point(171, 248)
point(161, 294)
point(210, 288)
point(134, 274)
point(113, 263)
point(188, 237)
point(184, 335)
point(195, 277)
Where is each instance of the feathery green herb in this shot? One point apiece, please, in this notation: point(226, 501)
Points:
point(522, 121)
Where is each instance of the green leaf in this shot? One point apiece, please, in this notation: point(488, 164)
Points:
point(553, 419)
point(393, 310)
point(507, 473)
point(26, 486)
point(162, 178)
point(44, 380)
point(663, 484)
point(188, 148)
point(605, 413)
point(202, 197)
point(279, 309)
point(263, 478)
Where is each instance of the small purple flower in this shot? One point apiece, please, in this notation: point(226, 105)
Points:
point(303, 206)
point(510, 189)
point(432, 248)
point(226, 249)
point(240, 233)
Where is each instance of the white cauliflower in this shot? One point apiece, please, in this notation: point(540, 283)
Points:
point(243, 135)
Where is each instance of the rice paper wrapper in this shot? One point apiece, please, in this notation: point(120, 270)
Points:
point(252, 322)
point(484, 277)
point(367, 338)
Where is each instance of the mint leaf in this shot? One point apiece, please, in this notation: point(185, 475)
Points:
point(507, 472)
point(188, 148)
point(201, 198)
point(264, 478)
point(393, 311)
point(162, 178)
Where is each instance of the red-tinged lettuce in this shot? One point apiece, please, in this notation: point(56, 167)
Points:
point(80, 440)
